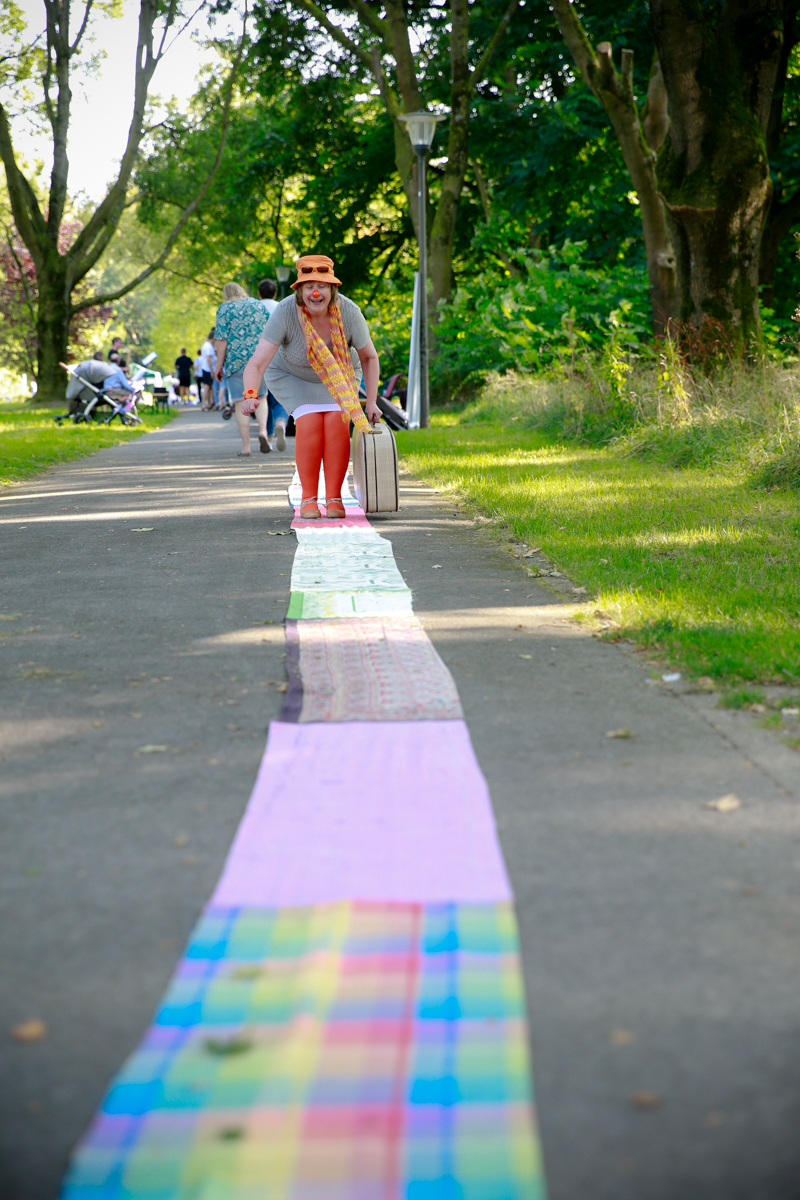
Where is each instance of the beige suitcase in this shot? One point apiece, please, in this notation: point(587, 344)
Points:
point(375, 478)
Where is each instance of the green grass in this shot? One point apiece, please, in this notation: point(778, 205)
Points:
point(30, 440)
point(695, 563)
point(741, 698)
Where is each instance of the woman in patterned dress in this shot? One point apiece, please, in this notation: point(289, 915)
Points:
point(240, 323)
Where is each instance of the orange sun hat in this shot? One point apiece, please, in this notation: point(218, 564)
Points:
point(315, 268)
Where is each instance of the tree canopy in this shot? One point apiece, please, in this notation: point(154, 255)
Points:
point(562, 143)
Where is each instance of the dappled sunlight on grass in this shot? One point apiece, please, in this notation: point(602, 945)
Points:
point(695, 562)
point(30, 440)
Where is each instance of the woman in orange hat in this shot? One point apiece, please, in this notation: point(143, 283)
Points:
point(308, 355)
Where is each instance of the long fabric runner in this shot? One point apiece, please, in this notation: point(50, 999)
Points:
point(348, 1020)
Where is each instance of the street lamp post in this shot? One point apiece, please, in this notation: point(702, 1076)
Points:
point(421, 130)
point(283, 279)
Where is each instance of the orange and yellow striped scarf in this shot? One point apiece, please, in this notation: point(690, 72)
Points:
point(335, 369)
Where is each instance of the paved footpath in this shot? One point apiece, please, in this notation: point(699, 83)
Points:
point(659, 937)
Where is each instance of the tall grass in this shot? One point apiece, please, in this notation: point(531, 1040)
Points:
point(663, 413)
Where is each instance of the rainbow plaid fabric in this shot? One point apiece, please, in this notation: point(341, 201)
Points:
point(315, 1045)
point(336, 1052)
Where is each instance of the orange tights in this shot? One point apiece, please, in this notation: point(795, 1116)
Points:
point(322, 438)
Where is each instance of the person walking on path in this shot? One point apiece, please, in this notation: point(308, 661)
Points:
point(308, 355)
point(241, 322)
point(183, 366)
point(209, 365)
point(278, 417)
point(198, 375)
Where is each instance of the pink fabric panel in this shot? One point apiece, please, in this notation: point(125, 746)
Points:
point(354, 518)
point(389, 811)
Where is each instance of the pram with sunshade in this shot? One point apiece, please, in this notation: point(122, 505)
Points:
point(90, 396)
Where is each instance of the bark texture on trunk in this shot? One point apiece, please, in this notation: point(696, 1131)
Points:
point(614, 90)
point(719, 67)
point(52, 332)
point(655, 116)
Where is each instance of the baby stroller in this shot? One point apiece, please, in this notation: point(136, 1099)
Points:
point(124, 405)
point(89, 402)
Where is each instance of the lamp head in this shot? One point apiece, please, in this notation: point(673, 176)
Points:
point(421, 128)
point(282, 273)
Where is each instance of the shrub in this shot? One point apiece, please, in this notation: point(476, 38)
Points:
point(549, 317)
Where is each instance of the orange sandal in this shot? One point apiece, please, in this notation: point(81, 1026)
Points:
point(309, 510)
point(334, 509)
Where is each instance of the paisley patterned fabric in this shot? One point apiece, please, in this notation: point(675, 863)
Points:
point(379, 668)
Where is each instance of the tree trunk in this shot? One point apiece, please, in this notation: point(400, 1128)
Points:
point(661, 265)
point(719, 70)
point(717, 208)
point(444, 222)
point(614, 90)
point(52, 332)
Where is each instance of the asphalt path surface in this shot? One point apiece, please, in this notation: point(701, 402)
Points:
point(143, 592)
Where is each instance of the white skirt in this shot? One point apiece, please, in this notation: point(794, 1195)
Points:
point(295, 393)
point(305, 409)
